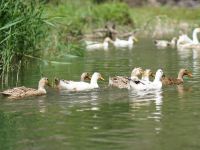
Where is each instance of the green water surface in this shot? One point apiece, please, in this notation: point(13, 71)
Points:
point(107, 118)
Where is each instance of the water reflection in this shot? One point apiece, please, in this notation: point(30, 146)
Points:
point(182, 90)
point(144, 98)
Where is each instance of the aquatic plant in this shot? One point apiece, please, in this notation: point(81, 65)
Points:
point(20, 31)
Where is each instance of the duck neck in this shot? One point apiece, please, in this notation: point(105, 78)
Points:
point(130, 39)
point(195, 38)
point(180, 76)
point(105, 44)
point(82, 78)
point(93, 81)
point(41, 88)
point(157, 79)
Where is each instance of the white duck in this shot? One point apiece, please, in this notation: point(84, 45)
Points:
point(80, 86)
point(185, 42)
point(95, 45)
point(118, 43)
point(84, 76)
point(165, 43)
point(143, 85)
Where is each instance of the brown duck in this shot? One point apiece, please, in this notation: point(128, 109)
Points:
point(177, 81)
point(21, 92)
point(122, 81)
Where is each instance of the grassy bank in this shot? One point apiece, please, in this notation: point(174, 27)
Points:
point(73, 19)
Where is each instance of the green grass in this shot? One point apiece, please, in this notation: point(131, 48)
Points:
point(72, 19)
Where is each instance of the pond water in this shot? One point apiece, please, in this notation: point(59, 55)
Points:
point(107, 118)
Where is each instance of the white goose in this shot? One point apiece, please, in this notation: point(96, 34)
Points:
point(118, 43)
point(80, 86)
point(184, 42)
point(143, 85)
point(95, 45)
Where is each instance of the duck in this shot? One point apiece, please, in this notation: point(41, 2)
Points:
point(122, 81)
point(184, 42)
point(118, 43)
point(84, 76)
point(143, 85)
point(21, 92)
point(178, 80)
point(79, 85)
point(165, 43)
point(96, 45)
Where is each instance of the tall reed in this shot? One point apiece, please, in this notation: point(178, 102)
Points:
point(21, 27)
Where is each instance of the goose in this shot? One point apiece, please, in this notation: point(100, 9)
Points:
point(118, 43)
point(21, 92)
point(79, 85)
point(143, 85)
point(122, 81)
point(96, 45)
point(184, 42)
point(164, 43)
point(178, 80)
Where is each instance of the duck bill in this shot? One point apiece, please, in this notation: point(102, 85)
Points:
point(48, 84)
point(101, 78)
point(190, 75)
point(135, 39)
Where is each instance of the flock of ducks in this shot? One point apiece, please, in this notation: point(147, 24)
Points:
point(139, 81)
point(118, 43)
point(182, 42)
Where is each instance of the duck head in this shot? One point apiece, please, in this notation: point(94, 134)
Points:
point(197, 30)
point(132, 37)
point(85, 76)
point(43, 82)
point(97, 76)
point(107, 39)
point(185, 72)
point(57, 81)
point(137, 72)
